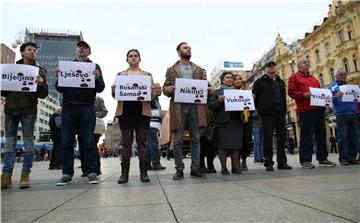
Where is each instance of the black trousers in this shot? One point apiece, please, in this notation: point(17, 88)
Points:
point(271, 122)
point(312, 122)
point(55, 158)
point(207, 149)
point(82, 155)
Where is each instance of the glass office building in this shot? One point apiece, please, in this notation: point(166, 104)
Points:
point(53, 45)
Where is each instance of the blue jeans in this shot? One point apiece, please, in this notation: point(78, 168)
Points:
point(258, 141)
point(11, 128)
point(153, 147)
point(78, 119)
point(189, 118)
point(347, 136)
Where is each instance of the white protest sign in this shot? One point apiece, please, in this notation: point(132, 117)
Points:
point(76, 74)
point(133, 88)
point(238, 100)
point(320, 97)
point(18, 77)
point(351, 92)
point(191, 91)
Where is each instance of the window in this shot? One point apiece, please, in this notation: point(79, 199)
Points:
point(332, 74)
point(355, 64)
point(346, 65)
point(341, 36)
point(317, 56)
point(321, 78)
point(327, 49)
point(350, 35)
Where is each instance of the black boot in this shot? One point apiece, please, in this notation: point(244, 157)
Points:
point(143, 172)
point(125, 167)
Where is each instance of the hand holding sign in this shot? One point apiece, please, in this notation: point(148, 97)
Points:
point(320, 97)
point(19, 77)
point(76, 74)
point(351, 92)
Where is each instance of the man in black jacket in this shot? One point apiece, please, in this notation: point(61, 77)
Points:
point(270, 101)
point(22, 107)
point(78, 116)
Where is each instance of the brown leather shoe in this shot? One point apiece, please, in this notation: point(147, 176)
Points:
point(5, 181)
point(24, 180)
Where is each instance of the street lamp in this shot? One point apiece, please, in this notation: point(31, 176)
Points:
point(20, 37)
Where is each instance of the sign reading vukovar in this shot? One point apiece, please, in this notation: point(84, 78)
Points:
point(76, 74)
point(133, 88)
point(18, 77)
point(320, 97)
point(191, 91)
point(351, 92)
point(238, 100)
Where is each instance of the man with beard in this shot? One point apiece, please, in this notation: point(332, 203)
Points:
point(184, 114)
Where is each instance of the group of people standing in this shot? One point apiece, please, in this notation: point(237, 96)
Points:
point(231, 133)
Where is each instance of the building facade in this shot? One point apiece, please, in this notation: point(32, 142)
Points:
point(331, 45)
point(53, 45)
point(222, 66)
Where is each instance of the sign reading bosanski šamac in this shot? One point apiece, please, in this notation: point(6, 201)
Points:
point(133, 88)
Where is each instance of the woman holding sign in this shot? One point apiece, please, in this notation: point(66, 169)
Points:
point(228, 124)
point(133, 114)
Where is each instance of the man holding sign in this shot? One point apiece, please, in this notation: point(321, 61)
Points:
point(78, 117)
point(185, 114)
point(346, 119)
point(312, 120)
point(270, 101)
point(22, 107)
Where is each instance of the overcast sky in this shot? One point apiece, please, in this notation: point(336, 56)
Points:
point(230, 30)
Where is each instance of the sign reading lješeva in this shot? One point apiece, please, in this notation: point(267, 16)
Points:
point(351, 92)
point(320, 97)
point(76, 74)
point(238, 100)
point(18, 77)
point(133, 88)
point(191, 91)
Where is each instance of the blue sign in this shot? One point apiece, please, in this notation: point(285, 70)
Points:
point(228, 64)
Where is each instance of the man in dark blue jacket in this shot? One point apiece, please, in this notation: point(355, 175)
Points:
point(78, 117)
point(270, 102)
point(346, 121)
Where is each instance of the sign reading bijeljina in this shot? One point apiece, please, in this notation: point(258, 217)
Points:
point(133, 88)
point(320, 97)
point(76, 74)
point(18, 77)
point(191, 91)
point(238, 100)
point(351, 93)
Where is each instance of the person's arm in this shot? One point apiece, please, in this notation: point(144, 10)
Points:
point(99, 81)
point(42, 90)
point(215, 100)
point(101, 110)
point(293, 90)
point(168, 89)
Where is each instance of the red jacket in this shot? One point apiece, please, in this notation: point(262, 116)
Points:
point(299, 83)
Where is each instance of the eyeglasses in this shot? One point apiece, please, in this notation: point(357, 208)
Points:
point(343, 74)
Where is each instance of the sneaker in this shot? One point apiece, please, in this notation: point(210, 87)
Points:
point(225, 171)
point(269, 167)
point(179, 175)
point(354, 162)
point(196, 173)
point(344, 163)
point(307, 165)
point(211, 170)
point(64, 180)
point(284, 166)
point(326, 163)
point(93, 179)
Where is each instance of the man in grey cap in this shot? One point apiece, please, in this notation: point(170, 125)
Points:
point(270, 102)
